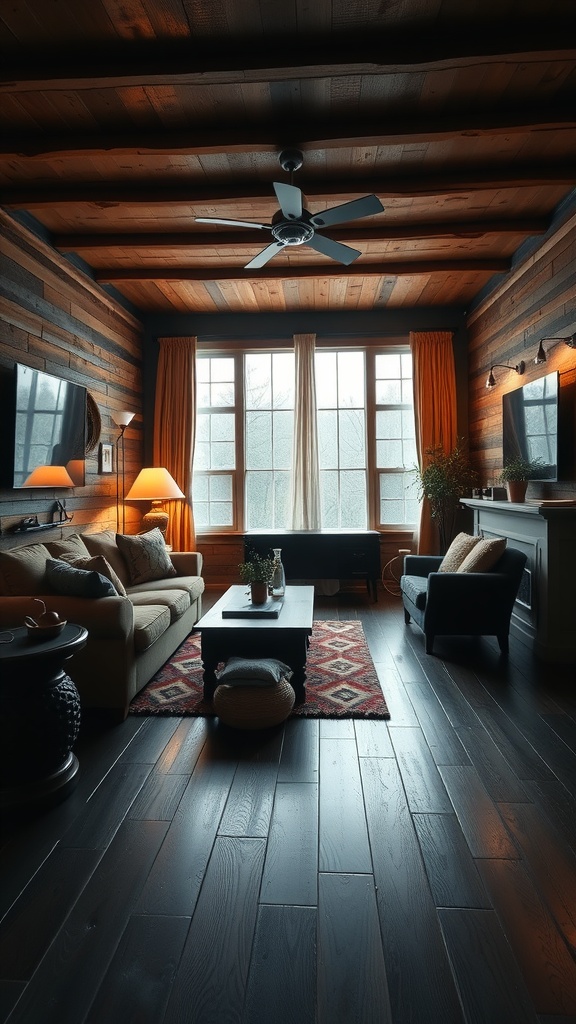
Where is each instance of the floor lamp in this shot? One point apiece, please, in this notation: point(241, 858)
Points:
point(121, 419)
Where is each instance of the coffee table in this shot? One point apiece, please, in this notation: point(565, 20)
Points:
point(284, 638)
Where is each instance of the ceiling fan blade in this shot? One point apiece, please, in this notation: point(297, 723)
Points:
point(231, 223)
point(263, 257)
point(335, 250)
point(290, 199)
point(348, 211)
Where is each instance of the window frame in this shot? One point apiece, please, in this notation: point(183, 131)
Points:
point(371, 346)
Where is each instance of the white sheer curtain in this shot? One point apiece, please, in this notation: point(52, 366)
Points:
point(305, 497)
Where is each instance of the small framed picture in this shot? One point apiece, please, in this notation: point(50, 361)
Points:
point(105, 458)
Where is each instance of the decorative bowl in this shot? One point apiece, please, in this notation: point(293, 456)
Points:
point(39, 633)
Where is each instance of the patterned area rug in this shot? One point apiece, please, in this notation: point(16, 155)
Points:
point(341, 681)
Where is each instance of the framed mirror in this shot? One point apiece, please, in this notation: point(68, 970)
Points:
point(93, 424)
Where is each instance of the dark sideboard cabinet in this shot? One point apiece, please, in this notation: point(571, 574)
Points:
point(323, 554)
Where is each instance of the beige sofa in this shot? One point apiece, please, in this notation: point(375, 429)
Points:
point(153, 599)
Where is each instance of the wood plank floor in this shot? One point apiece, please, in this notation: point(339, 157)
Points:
point(420, 870)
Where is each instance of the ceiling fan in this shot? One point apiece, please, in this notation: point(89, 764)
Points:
point(293, 225)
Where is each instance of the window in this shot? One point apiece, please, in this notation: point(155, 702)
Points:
point(215, 448)
point(395, 453)
point(341, 405)
point(366, 438)
point(269, 419)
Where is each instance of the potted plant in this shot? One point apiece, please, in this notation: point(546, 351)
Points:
point(443, 480)
point(516, 473)
point(257, 571)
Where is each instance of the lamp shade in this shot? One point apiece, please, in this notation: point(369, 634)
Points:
point(122, 419)
point(154, 484)
point(49, 476)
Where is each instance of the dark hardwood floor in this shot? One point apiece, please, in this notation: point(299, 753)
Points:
point(420, 870)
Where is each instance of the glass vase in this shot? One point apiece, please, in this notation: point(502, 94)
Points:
point(278, 585)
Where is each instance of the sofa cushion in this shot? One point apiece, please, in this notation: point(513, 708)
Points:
point(104, 543)
point(461, 546)
point(177, 601)
point(484, 556)
point(150, 622)
point(23, 570)
point(146, 556)
point(415, 588)
point(72, 546)
point(101, 565)
point(67, 579)
point(193, 584)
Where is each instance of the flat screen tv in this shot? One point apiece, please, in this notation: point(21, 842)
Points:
point(530, 417)
point(49, 428)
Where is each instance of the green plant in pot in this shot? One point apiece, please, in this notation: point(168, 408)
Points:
point(444, 479)
point(257, 572)
point(516, 473)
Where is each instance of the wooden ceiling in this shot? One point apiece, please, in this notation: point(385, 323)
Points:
point(120, 123)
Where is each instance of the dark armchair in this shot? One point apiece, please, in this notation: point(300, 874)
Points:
point(461, 603)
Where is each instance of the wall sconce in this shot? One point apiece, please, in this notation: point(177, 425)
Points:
point(491, 381)
point(155, 485)
point(121, 419)
point(541, 357)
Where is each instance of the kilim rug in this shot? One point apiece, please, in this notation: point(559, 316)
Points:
point(341, 681)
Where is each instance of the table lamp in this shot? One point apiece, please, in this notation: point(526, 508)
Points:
point(155, 485)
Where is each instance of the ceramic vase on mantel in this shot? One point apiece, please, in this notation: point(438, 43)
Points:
point(259, 592)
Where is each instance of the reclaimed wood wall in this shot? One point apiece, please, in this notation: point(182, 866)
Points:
point(536, 300)
point(53, 318)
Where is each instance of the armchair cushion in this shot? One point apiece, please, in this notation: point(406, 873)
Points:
point(484, 555)
point(415, 588)
point(460, 547)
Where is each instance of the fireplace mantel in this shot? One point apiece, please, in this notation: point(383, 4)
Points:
point(544, 615)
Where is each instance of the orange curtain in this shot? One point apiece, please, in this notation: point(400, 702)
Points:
point(435, 411)
point(174, 428)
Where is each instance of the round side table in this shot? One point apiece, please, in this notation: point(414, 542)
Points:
point(39, 716)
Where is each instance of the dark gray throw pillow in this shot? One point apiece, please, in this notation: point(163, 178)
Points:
point(66, 579)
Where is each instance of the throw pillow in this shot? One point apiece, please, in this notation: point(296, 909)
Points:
point(101, 565)
point(252, 671)
point(67, 579)
point(461, 546)
point(104, 543)
point(72, 546)
point(484, 555)
point(146, 556)
point(22, 570)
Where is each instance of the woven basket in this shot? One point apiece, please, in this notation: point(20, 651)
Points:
point(254, 707)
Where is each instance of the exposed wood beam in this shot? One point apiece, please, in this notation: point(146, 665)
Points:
point(178, 192)
point(232, 60)
point(113, 275)
point(188, 240)
point(203, 140)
